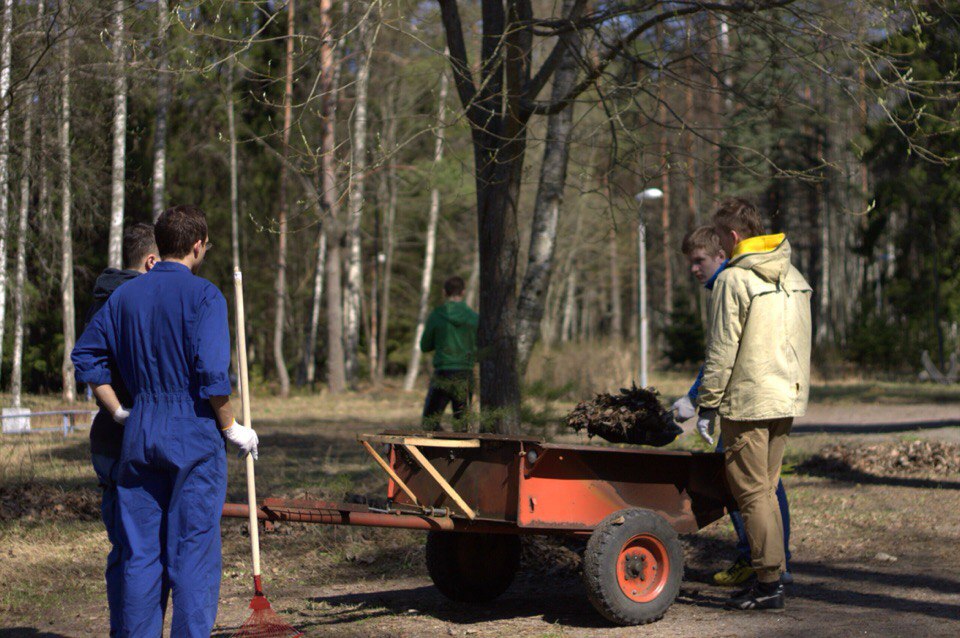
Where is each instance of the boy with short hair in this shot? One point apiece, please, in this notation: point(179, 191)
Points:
point(707, 260)
point(757, 379)
point(166, 333)
point(106, 432)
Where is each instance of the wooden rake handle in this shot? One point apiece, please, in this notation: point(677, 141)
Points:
point(247, 420)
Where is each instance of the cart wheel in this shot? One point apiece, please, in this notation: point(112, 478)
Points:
point(633, 567)
point(472, 568)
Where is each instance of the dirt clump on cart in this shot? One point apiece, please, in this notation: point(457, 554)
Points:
point(634, 415)
point(913, 458)
point(34, 501)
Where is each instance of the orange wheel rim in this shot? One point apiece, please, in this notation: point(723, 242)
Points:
point(643, 568)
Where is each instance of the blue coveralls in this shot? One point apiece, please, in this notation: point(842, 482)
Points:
point(743, 543)
point(167, 334)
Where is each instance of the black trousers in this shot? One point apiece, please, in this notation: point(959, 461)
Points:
point(448, 386)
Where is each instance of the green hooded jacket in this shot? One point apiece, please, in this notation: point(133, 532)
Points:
point(451, 331)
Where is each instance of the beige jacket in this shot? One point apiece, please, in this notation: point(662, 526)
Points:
point(758, 343)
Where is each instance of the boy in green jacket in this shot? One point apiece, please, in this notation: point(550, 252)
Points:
point(451, 333)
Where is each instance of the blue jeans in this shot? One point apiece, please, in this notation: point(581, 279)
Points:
point(743, 544)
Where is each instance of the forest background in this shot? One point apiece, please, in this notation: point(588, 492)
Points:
point(352, 155)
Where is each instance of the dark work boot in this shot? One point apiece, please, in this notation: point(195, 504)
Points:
point(761, 596)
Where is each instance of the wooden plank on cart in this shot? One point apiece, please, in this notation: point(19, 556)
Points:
point(420, 441)
point(442, 482)
point(389, 470)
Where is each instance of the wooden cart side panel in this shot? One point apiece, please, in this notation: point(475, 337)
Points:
point(486, 478)
point(575, 489)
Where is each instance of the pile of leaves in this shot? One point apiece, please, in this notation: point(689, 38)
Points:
point(913, 458)
point(42, 502)
point(632, 416)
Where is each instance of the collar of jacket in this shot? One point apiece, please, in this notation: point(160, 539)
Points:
point(713, 277)
point(169, 266)
point(758, 244)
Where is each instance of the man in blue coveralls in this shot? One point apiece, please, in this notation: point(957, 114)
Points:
point(106, 433)
point(707, 260)
point(166, 335)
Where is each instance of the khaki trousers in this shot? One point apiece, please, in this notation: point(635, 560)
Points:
point(753, 453)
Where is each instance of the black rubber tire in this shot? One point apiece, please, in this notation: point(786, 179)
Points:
point(600, 566)
point(472, 568)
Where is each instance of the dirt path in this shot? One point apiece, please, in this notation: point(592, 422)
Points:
point(873, 555)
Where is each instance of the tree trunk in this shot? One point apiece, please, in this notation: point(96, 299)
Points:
point(234, 170)
point(569, 307)
point(163, 108)
point(389, 183)
point(358, 167)
point(280, 288)
point(413, 369)
point(473, 282)
point(5, 60)
point(66, 223)
point(546, 214)
point(336, 374)
point(115, 251)
point(20, 281)
point(309, 366)
point(665, 223)
point(616, 304)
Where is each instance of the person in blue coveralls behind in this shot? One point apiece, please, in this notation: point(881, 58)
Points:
point(166, 334)
point(707, 260)
point(106, 431)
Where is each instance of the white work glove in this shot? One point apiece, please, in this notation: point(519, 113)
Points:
point(244, 438)
point(684, 408)
point(705, 424)
point(120, 415)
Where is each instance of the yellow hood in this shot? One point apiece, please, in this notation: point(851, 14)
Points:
point(766, 255)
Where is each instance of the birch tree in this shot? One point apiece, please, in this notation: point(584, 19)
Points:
point(309, 365)
point(163, 108)
point(413, 369)
point(388, 194)
point(22, 228)
point(546, 210)
point(66, 221)
point(280, 288)
point(358, 166)
point(5, 61)
point(115, 249)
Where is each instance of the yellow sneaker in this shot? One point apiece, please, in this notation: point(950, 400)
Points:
point(736, 574)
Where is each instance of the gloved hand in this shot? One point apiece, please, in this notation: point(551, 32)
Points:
point(705, 424)
point(244, 438)
point(684, 408)
point(120, 415)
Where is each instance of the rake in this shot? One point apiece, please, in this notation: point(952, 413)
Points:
point(263, 622)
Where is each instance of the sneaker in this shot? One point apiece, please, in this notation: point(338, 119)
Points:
point(762, 596)
point(737, 574)
point(786, 578)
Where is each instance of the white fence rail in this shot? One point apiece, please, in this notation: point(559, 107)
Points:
point(20, 421)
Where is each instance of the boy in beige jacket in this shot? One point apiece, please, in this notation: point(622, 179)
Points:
point(757, 379)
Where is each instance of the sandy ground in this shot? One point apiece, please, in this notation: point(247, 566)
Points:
point(871, 556)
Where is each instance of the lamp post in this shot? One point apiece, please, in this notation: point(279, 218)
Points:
point(646, 194)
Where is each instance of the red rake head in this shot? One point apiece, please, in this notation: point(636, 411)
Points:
point(264, 622)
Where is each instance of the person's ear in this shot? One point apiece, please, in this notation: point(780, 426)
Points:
point(150, 262)
point(198, 248)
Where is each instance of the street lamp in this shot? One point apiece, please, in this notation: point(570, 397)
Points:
point(644, 195)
